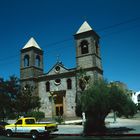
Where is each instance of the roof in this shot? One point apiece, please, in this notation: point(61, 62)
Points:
point(60, 64)
point(53, 73)
point(31, 43)
point(84, 28)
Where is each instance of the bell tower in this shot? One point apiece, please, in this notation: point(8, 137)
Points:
point(31, 62)
point(88, 51)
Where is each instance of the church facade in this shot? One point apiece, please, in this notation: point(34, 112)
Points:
point(59, 87)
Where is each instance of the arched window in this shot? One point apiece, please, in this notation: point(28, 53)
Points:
point(26, 60)
point(97, 48)
point(57, 82)
point(37, 61)
point(47, 86)
point(84, 47)
point(69, 84)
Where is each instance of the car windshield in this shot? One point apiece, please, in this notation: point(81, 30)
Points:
point(30, 121)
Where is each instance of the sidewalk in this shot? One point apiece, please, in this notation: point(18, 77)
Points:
point(120, 127)
point(132, 125)
point(69, 130)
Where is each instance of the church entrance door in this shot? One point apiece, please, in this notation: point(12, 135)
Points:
point(59, 109)
point(59, 106)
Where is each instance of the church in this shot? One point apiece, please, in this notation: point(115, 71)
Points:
point(59, 87)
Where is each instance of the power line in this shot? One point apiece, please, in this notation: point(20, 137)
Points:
point(69, 39)
point(59, 42)
point(9, 57)
point(101, 29)
point(51, 44)
point(116, 32)
point(103, 36)
point(118, 24)
point(8, 61)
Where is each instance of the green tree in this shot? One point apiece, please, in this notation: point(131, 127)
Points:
point(83, 79)
point(15, 100)
point(99, 100)
point(83, 82)
point(4, 100)
point(4, 105)
point(121, 102)
point(12, 88)
point(26, 101)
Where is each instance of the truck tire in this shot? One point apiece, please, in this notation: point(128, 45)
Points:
point(9, 133)
point(34, 134)
point(47, 135)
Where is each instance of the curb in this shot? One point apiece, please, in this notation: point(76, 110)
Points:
point(66, 134)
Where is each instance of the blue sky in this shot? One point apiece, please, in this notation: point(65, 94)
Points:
point(53, 24)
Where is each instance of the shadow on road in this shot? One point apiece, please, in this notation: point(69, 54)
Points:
point(118, 130)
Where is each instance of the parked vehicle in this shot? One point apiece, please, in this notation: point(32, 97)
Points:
point(29, 126)
point(2, 127)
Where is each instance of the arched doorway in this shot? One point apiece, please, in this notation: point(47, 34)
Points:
point(59, 102)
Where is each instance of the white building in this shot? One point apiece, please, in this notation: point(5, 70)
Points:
point(136, 97)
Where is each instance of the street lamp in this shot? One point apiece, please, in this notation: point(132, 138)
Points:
point(114, 116)
point(83, 118)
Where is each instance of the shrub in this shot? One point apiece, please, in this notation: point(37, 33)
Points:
point(37, 114)
point(59, 119)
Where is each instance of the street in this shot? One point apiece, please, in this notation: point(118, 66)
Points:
point(14, 138)
point(75, 138)
point(67, 132)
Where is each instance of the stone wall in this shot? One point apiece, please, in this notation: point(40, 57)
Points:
point(68, 100)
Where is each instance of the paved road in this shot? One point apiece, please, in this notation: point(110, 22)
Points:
point(14, 138)
point(72, 138)
point(94, 138)
point(132, 125)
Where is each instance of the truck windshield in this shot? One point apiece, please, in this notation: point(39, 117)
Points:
point(30, 121)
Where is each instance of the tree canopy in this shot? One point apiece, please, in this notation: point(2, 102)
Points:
point(99, 100)
point(16, 100)
point(26, 101)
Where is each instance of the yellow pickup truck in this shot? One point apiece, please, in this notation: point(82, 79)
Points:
point(29, 126)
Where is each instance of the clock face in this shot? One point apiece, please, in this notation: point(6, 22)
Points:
point(57, 69)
